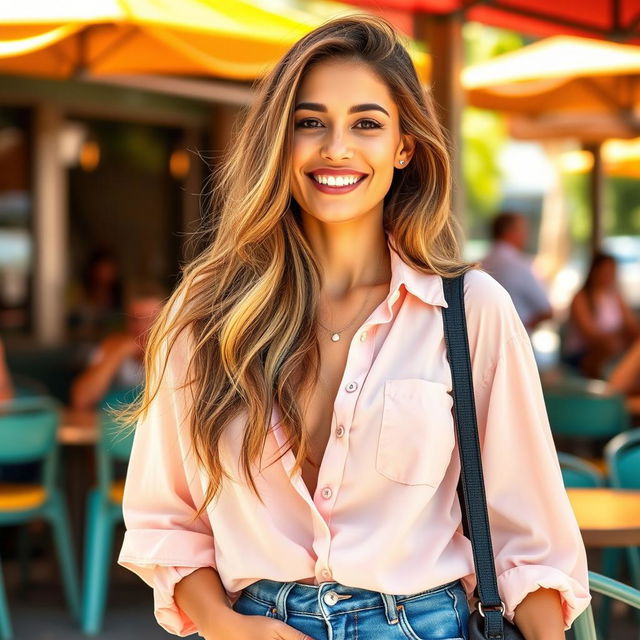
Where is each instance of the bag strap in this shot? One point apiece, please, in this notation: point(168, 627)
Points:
point(474, 503)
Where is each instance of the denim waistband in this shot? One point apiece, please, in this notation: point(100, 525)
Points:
point(332, 597)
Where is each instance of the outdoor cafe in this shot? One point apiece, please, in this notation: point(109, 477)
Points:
point(111, 121)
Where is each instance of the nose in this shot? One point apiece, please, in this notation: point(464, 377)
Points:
point(335, 146)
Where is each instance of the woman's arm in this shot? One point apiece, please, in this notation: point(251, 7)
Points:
point(6, 386)
point(203, 599)
point(630, 322)
point(539, 616)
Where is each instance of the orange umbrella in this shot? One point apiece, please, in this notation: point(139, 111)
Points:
point(237, 39)
point(562, 86)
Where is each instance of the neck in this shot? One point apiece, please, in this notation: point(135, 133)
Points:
point(351, 259)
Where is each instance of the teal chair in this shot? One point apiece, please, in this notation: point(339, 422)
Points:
point(577, 472)
point(622, 454)
point(583, 626)
point(580, 412)
point(104, 510)
point(28, 431)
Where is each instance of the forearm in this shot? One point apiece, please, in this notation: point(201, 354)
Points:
point(93, 383)
point(539, 616)
point(202, 597)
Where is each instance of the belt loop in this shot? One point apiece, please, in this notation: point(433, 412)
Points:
point(390, 607)
point(281, 600)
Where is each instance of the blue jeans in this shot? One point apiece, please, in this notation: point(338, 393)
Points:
point(333, 611)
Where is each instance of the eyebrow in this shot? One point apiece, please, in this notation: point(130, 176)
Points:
point(356, 108)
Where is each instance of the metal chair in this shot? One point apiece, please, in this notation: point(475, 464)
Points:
point(584, 625)
point(28, 434)
point(104, 511)
point(577, 472)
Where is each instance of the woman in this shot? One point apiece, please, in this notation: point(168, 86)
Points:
point(625, 378)
point(601, 325)
point(6, 386)
point(319, 385)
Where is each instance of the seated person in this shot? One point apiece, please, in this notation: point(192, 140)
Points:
point(6, 386)
point(601, 325)
point(625, 378)
point(508, 263)
point(118, 360)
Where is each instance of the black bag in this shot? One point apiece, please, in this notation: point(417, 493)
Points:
point(488, 621)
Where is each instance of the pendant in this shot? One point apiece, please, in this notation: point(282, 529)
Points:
point(335, 337)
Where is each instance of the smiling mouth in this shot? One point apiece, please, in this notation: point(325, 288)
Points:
point(325, 187)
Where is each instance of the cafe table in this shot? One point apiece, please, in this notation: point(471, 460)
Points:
point(607, 517)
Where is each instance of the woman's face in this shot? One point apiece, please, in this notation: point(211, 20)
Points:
point(605, 275)
point(346, 129)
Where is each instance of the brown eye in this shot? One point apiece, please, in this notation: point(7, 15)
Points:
point(300, 124)
point(376, 125)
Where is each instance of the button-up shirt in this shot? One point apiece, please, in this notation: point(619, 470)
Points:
point(385, 515)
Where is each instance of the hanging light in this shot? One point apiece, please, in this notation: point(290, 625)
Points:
point(179, 163)
point(89, 156)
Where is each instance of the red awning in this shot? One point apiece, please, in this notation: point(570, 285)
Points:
point(606, 19)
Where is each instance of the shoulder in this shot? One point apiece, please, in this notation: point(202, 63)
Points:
point(489, 309)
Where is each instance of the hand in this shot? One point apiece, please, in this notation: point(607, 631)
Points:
point(238, 626)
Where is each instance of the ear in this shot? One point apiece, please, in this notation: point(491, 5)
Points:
point(406, 148)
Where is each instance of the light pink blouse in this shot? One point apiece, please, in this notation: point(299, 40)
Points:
point(385, 514)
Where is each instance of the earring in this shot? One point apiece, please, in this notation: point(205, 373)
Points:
point(401, 161)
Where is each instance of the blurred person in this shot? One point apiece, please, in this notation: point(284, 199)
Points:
point(118, 361)
point(625, 377)
point(511, 267)
point(601, 325)
point(6, 385)
point(295, 440)
point(96, 303)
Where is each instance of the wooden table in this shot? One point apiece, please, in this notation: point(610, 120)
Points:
point(607, 517)
point(78, 427)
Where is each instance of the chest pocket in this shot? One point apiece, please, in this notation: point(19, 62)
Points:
point(417, 432)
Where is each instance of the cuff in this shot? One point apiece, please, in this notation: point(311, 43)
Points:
point(168, 614)
point(169, 548)
point(515, 583)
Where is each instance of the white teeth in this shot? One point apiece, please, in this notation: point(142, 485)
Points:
point(336, 181)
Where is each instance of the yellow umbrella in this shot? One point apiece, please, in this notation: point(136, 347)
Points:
point(562, 86)
point(619, 157)
point(236, 39)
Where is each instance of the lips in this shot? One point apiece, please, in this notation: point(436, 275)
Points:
point(325, 188)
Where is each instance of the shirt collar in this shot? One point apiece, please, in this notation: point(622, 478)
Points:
point(427, 287)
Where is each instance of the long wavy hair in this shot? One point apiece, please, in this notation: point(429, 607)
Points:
point(250, 298)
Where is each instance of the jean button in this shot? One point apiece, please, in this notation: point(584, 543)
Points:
point(331, 597)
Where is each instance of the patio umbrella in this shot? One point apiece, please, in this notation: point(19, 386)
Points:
point(606, 19)
point(565, 87)
point(235, 39)
point(562, 86)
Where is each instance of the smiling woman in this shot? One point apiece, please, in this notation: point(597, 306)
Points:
point(294, 469)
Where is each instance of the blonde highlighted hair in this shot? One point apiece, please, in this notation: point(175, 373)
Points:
point(249, 300)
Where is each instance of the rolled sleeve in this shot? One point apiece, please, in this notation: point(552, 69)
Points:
point(163, 542)
point(535, 535)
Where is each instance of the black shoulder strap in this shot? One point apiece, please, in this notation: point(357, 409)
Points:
point(474, 502)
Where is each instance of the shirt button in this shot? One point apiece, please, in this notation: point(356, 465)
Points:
point(363, 336)
point(340, 431)
point(326, 492)
point(352, 386)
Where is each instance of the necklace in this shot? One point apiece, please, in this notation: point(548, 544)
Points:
point(335, 335)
